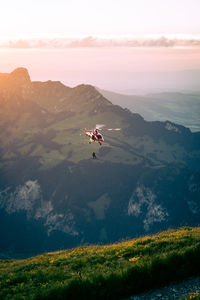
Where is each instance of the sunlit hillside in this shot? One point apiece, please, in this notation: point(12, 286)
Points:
point(104, 272)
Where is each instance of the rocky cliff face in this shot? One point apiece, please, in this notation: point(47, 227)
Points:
point(53, 195)
point(14, 85)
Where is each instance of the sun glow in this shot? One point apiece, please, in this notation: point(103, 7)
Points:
point(77, 18)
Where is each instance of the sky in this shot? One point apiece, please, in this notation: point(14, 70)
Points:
point(99, 18)
point(97, 41)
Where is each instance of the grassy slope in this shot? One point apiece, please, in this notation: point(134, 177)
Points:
point(194, 296)
point(65, 139)
point(109, 272)
point(47, 124)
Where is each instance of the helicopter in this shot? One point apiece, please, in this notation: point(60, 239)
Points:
point(95, 135)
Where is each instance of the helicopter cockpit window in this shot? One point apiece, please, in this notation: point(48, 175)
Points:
point(99, 136)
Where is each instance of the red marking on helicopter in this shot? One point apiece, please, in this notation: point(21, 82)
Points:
point(95, 135)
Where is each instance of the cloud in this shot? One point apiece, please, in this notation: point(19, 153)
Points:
point(88, 42)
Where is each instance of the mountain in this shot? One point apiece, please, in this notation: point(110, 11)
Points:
point(181, 108)
point(53, 195)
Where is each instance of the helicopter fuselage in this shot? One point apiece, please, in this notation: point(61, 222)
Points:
point(94, 136)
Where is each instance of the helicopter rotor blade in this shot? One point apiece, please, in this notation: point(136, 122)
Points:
point(116, 129)
point(99, 126)
point(103, 128)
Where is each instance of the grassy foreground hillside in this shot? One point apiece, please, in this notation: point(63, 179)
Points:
point(104, 272)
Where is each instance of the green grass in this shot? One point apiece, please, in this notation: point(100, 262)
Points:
point(194, 296)
point(104, 272)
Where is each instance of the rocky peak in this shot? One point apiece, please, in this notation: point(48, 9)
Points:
point(20, 76)
point(14, 85)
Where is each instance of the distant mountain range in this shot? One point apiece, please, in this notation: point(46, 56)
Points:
point(181, 108)
point(53, 195)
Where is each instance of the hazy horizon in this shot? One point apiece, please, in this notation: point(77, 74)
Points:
point(118, 69)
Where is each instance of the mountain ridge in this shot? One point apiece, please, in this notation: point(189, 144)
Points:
point(53, 192)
